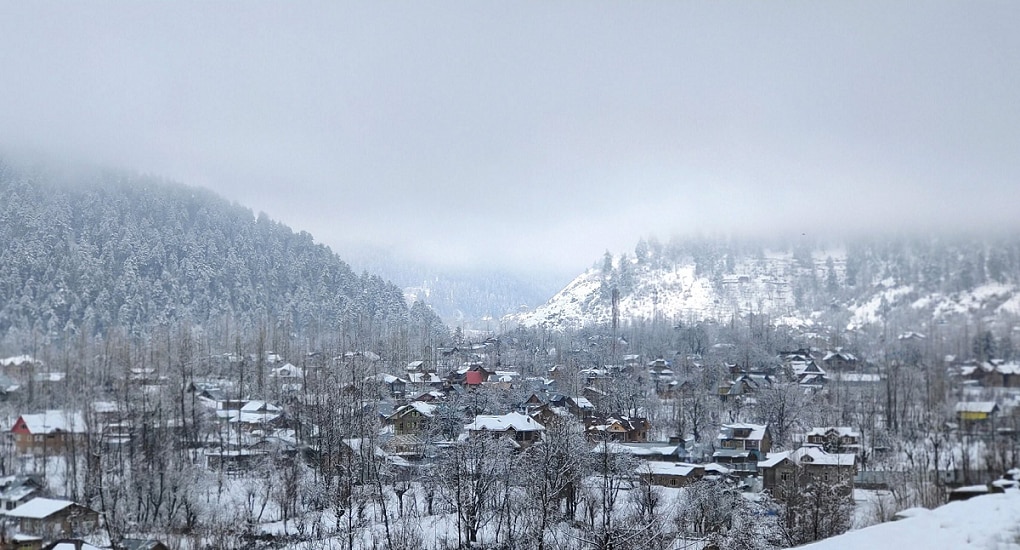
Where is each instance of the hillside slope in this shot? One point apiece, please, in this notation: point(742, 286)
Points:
point(97, 250)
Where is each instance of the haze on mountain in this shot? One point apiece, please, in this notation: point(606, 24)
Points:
point(532, 137)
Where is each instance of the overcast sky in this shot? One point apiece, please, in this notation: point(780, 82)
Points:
point(540, 134)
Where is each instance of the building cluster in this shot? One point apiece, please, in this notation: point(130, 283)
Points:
point(417, 410)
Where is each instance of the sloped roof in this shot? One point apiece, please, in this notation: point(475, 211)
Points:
point(39, 508)
point(667, 468)
point(757, 431)
point(503, 422)
point(838, 430)
point(427, 410)
point(18, 360)
point(259, 406)
point(72, 545)
point(809, 455)
point(53, 421)
point(986, 407)
point(815, 455)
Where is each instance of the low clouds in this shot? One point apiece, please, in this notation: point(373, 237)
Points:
point(536, 134)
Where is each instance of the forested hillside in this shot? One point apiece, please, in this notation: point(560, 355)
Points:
point(857, 281)
point(100, 249)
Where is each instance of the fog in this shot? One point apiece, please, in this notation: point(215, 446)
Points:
point(536, 135)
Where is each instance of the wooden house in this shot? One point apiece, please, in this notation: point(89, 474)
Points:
point(788, 471)
point(742, 446)
point(53, 432)
point(52, 519)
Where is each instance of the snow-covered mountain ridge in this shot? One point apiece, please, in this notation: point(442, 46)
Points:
point(860, 284)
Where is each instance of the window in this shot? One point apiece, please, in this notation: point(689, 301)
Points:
point(784, 476)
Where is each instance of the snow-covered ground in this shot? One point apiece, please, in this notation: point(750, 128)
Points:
point(990, 522)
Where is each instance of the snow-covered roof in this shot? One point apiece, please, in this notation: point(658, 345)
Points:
point(74, 546)
point(503, 422)
point(809, 455)
point(839, 354)
point(427, 410)
point(53, 421)
point(39, 508)
point(773, 459)
point(667, 468)
point(842, 431)
point(757, 431)
point(976, 406)
point(423, 377)
point(638, 449)
point(18, 360)
point(815, 455)
point(286, 371)
point(260, 406)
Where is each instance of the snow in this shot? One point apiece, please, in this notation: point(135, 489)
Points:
point(53, 421)
point(38, 508)
point(500, 423)
point(674, 291)
point(984, 522)
point(73, 546)
point(18, 360)
point(985, 407)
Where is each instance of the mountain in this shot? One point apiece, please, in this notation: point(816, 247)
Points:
point(93, 250)
point(857, 281)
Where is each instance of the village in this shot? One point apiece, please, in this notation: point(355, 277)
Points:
point(355, 419)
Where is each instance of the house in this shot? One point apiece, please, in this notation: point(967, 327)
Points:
point(835, 439)
point(8, 385)
point(977, 415)
point(741, 446)
point(287, 372)
point(744, 385)
point(839, 360)
point(995, 373)
point(215, 397)
point(393, 385)
point(521, 428)
point(20, 367)
point(617, 428)
point(52, 432)
point(256, 416)
point(788, 471)
point(809, 374)
point(18, 489)
point(670, 474)
point(51, 518)
point(409, 423)
point(420, 381)
point(411, 418)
